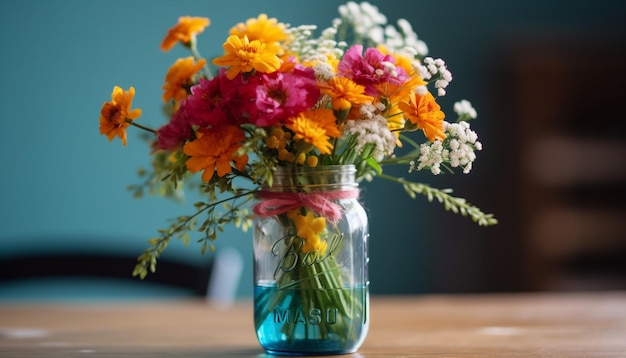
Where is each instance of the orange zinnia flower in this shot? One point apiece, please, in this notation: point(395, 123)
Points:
point(242, 55)
point(179, 78)
point(116, 115)
point(315, 126)
point(426, 114)
point(184, 31)
point(345, 93)
point(214, 151)
point(262, 28)
point(400, 92)
point(394, 94)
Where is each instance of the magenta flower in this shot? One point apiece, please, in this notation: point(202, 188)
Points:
point(175, 134)
point(205, 105)
point(370, 69)
point(282, 95)
point(220, 100)
point(240, 97)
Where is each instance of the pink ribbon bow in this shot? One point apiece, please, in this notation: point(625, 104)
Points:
point(321, 202)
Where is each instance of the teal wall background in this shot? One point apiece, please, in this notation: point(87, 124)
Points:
point(63, 184)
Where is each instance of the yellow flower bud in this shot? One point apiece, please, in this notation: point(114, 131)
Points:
point(312, 161)
point(301, 158)
point(283, 154)
point(272, 142)
point(278, 133)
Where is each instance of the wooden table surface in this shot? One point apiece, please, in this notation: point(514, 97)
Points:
point(508, 325)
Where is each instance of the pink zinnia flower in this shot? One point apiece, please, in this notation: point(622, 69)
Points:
point(220, 100)
point(239, 98)
point(370, 69)
point(285, 94)
point(175, 134)
point(205, 105)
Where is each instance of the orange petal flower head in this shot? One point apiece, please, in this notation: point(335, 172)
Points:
point(314, 127)
point(116, 115)
point(179, 78)
point(243, 56)
point(214, 151)
point(184, 31)
point(426, 114)
point(345, 93)
point(264, 29)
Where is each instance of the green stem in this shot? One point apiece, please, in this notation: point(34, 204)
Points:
point(455, 204)
point(196, 54)
point(140, 126)
point(411, 141)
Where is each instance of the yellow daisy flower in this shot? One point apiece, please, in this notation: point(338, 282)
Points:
point(243, 55)
point(262, 28)
point(314, 127)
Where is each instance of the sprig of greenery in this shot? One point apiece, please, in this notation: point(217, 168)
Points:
point(451, 203)
point(236, 212)
point(166, 177)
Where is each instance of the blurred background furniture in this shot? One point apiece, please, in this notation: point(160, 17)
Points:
point(108, 275)
point(566, 100)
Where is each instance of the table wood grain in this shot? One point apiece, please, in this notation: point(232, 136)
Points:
point(503, 325)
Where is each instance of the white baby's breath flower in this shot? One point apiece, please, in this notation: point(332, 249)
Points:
point(405, 27)
point(464, 110)
point(457, 150)
point(463, 142)
point(431, 157)
point(371, 130)
point(324, 71)
point(372, 12)
point(421, 90)
point(376, 34)
point(367, 111)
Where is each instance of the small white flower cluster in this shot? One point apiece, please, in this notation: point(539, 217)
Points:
point(457, 149)
point(368, 23)
point(365, 19)
point(464, 110)
point(436, 68)
point(371, 129)
point(316, 50)
point(405, 41)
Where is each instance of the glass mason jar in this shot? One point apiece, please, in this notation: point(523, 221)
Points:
point(310, 263)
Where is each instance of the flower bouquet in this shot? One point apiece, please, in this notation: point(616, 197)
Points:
point(280, 103)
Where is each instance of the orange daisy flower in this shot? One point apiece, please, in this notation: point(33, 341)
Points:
point(116, 115)
point(243, 56)
point(426, 114)
point(179, 77)
point(315, 126)
point(184, 31)
point(214, 151)
point(394, 94)
point(345, 93)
